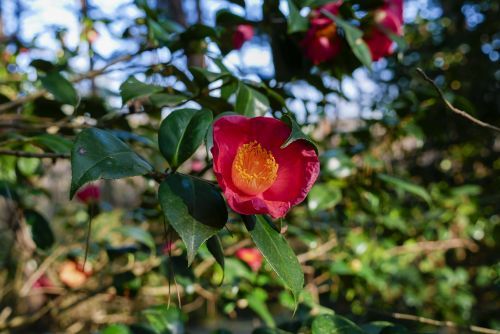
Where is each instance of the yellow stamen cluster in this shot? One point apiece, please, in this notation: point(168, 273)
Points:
point(329, 31)
point(254, 168)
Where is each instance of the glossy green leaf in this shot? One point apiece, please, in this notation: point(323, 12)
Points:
point(296, 22)
point(323, 197)
point(354, 37)
point(194, 208)
point(214, 246)
point(277, 252)
point(406, 186)
point(334, 324)
point(161, 100)
point(41, 232)
point(181, 133)
point(60, 87)
point(296, 133)
point(133, 88)
point(250, 102)
point(97, 154)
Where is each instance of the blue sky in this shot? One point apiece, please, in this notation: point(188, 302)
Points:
point(40, 15)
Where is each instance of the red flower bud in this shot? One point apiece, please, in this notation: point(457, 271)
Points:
point(243, 33)
point(250, 256)
point(89, 194)
point(321, 42)
point(256, 175)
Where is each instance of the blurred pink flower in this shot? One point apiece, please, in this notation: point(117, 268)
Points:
point(243, 33)
point(389, 18)
point(250, 256)
point(43, 282)
point(197, 165)
point(89, 194)
point(322, 42)
point(168, 247)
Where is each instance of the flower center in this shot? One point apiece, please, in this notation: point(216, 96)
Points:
point(254, 168)
point(329, 31)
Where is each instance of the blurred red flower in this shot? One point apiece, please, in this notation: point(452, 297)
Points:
point(250, 256)
point(243, 33)
point(89, 194)
point(43, 282)
point(256, 175)
point(389, 18)
point(322, 42)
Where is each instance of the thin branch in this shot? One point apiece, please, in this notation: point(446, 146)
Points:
point(23, 154)
point(318, 251)
point(438, 323)
point(89, 75)
point(454, 109)
point(433, 246)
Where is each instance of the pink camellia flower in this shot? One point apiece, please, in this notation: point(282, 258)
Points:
point(256, 175)
point(243, 33)
point(250, 256)
point(89, 194)
point(322, 42)
point(389, 18)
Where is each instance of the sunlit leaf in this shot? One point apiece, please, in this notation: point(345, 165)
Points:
point(181, 133)
point(97, 154)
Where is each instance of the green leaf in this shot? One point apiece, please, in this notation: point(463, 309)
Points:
point(406, 186)
point(250, 102)
point(164, 319)
point(97, 154)
point(194, 208)
point(277, 252)
point(296, 22)
point(383, 327)
point(133, 88)
point(204, 77)
point(334, 324)
point(181, 133)
point(116, 329)
point(214, 246)
point(60, 87)
point(41, 231)
point(354, 38)
point(257, 299)
point(138, 234)
point(225, 17)
point(28, 166)
point(54, 143)
point(324, 197)
point(296, 133)
point(161, 100)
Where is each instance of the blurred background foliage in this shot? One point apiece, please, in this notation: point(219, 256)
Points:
point(404, 219)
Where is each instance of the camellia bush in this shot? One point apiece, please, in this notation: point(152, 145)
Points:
point(204, 196)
